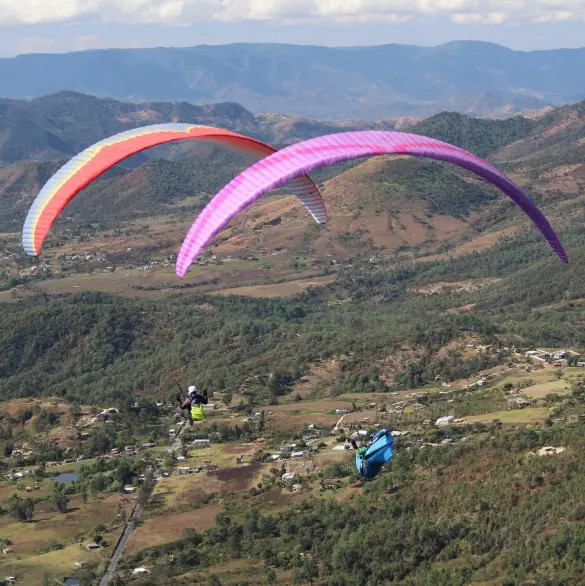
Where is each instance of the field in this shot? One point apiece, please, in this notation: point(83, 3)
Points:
point(164, 528)
point(286, 289)
point(73, 529)
point(560, 387)
point(56, 564)
point(528, 415)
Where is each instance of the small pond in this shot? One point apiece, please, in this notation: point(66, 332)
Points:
point(66, 477)
point(71, 582)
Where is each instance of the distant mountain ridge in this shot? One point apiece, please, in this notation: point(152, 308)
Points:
point(63, 124)
point(39, 135)
point(367, 83)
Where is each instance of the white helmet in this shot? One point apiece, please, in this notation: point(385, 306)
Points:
point(192, 390)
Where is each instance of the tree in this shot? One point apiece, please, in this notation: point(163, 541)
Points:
point(262, 421)
point(83, 491)
point(169, 462)
point(75, 413)
point(21, 509)
point(146, 488)
point(271, 576)
point(213, 580)
point(308, 572)
point(61, 502)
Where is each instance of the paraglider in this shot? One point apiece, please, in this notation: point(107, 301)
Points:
point(82, 169)
point(370, 459)
point(304, 157)
point(192, 405)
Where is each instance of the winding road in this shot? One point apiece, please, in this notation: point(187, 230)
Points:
point(131, 524)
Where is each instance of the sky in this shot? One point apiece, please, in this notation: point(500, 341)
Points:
point(49, 26)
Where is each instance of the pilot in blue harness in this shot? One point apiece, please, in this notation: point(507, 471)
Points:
point(370, 459)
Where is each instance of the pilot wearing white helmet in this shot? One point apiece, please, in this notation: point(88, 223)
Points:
point(192, 407)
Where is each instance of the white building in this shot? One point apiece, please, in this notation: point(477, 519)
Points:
point(288, 477)
point(201, 443)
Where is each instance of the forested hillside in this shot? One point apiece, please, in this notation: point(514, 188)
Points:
point(100, 347)
point(423, 280)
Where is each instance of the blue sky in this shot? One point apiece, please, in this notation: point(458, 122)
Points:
point(68, 25)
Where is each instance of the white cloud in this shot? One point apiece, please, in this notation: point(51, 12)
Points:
point(182, 12)
point(35, 45)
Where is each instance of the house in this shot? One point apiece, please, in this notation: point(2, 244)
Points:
point(481, 383)
point(201, 443)
point(550, 451)
point(299, 454)
point(445, 420)
point(129, 489)
point(7, 550)
point(340, 411)
point(288, 447)
point(341, 447)
point(140, 571)
point(288, 477)
point(172, 432)
point(81, 564)
point(523, 403)
point(91, 546)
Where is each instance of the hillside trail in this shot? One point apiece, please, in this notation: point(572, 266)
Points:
point(133, 521)
point(339, 422)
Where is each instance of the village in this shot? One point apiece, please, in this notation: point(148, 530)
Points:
point(301, 443)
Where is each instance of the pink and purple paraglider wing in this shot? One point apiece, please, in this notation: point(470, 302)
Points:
point(304, 157)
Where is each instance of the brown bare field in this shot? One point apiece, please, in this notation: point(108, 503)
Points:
point(165, 528)
point(289, 423)
point(317, 406)
point(278, 290)
point(360, 416)
point(190, 490)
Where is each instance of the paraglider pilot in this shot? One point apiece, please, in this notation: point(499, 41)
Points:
point(370, 459)
point(191, 407)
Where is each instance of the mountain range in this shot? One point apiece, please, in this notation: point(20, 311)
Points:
point(385, 203)
point(367, 83)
